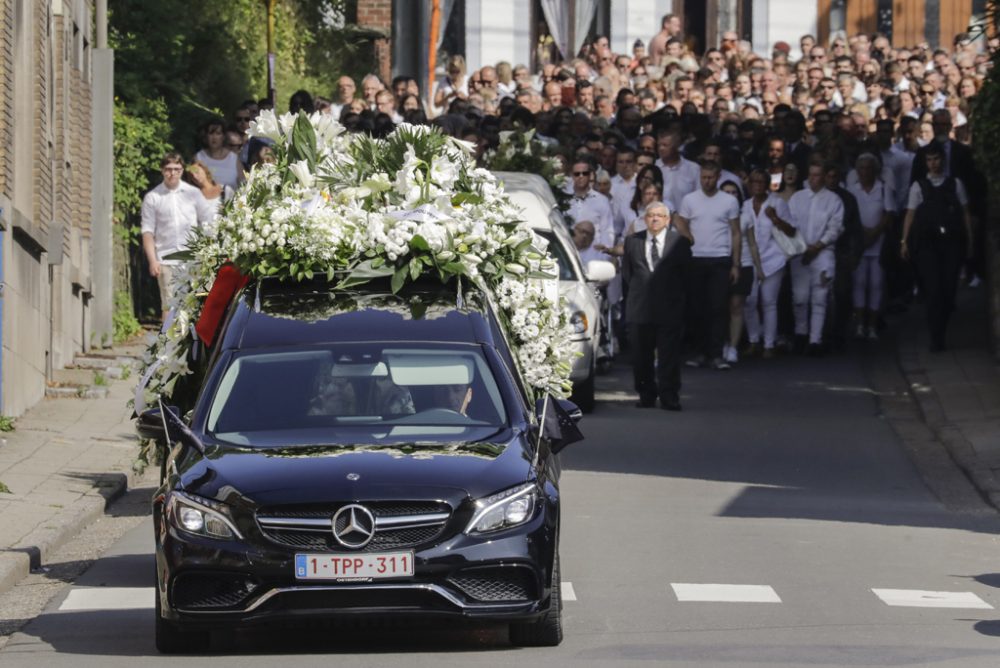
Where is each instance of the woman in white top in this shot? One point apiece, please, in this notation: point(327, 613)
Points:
point(876, 204)
point(223, 164)
point(454, 86)
point(761, 214)
point(214, 193)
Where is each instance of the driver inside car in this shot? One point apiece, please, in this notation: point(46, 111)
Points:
point(453, 397)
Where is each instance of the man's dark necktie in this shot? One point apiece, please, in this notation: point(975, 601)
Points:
point(654, 253)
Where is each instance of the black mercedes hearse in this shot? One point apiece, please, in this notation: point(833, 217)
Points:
point(352, 453)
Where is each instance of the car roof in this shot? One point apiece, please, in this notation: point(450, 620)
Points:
point(274, 314)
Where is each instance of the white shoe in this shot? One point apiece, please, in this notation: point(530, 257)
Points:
point(730, 355)
point(859, 332)
point(872, 334)
point(974, 283)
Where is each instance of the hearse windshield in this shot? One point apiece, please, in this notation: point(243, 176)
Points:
point(357, 394)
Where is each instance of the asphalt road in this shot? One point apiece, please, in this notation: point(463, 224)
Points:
point(777, 521)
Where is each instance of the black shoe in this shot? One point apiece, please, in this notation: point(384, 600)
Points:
point(815, 350)
point(799, 345)
point(672, 405)
point(645, 404)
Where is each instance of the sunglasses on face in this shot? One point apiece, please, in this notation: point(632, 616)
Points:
point(581, 173)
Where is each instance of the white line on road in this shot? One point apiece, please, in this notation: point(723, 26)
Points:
point(568, 593)
point(724, 593)
point(915, 598)
point(109, 598)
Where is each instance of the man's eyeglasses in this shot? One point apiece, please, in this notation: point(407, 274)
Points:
point(581, 173)
point(927, 91)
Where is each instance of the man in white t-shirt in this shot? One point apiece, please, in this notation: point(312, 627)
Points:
point(623, 189)
point(876, 205)
point(169, 212)
point(818, 215)
point(713, 218)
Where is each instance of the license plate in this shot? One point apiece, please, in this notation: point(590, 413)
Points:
point(353, 566)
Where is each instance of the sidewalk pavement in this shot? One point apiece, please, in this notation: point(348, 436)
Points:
point(66, 459)
point(958, 390)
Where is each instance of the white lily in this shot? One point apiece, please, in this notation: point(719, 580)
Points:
point(301, 172)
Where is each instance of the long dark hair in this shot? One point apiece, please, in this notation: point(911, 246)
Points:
point(657, 176)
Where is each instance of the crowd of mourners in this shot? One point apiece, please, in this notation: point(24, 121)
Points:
point(815, 187)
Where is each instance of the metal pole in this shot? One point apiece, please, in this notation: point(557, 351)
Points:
point(272, 92)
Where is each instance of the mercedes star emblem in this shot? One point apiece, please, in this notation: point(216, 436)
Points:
point(353, 526)
point(353, 476)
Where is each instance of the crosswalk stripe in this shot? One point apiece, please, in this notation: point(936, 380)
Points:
point(109, 598)
point(724, 593)
point(568, 593)
point(916, 598)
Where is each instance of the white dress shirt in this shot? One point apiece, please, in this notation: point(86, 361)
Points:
point(622, 192)
point(680, 180)
point(170, 215)
point(818, 216)
point(596, 208)
point(660, 238)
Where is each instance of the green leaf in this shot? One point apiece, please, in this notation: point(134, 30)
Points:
point(466, 198)
point(419, 243)
point(303, 141)
point(454, 268)
point(309, 273)
point(293, 268)
point(183, 256)
point(398, 278)
point(415, 268)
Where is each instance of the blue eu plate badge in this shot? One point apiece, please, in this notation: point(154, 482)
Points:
point(300, 565)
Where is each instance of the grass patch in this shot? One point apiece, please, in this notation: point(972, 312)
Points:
point(100, 380)
point(6, 423)
point(4, 489)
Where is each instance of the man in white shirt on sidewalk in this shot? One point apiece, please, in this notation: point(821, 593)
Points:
point(818, 215)
point(169, 212)
point(588, 204)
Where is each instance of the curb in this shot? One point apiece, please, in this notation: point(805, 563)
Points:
point(17, 562)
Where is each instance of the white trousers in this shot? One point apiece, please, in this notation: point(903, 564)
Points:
point(811, 285)
point(868, 279)
point(763, 299)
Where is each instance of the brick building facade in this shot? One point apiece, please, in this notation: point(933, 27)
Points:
point(45, 192)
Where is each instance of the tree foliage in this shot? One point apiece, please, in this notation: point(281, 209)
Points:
point(986, 109)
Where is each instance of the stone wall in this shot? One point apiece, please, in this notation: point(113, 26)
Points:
point(45, 191)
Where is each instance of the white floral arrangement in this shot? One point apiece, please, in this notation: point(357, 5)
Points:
point(354, 208)
point(520, 151)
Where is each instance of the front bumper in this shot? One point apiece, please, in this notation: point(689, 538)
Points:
point(209, 583)
point(583, 361)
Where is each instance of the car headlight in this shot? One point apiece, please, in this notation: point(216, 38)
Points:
point(200, 516)
point(578, 321)
point(504, 510)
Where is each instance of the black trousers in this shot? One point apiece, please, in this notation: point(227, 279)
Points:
point(708, 281)
point(656, 360)
point(938, 266)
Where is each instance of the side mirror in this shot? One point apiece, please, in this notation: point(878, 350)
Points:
point(558, 422)
point(600, 271)
point(150, 424)
point(574, 412)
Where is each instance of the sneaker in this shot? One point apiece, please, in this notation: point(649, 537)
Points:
point(696, 362)
point(872, 334)
point(730, 355)
point(814, 350)
point(751, 350)
point(768, 354)
point(720, 364)
point(974, 282)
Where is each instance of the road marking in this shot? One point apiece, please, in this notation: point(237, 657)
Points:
point(109, 598)
point(568, 593)
point(724, 593)
point(915, 598)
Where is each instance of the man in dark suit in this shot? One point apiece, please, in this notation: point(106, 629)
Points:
point(653, 267)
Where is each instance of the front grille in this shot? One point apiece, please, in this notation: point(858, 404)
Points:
point(497, 584)
point(201, 591)
point(318, 535)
